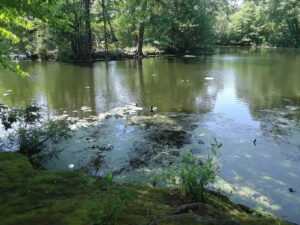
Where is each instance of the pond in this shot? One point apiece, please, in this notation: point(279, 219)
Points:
point(235, 95)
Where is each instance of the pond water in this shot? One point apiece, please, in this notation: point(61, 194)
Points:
point(235, 95)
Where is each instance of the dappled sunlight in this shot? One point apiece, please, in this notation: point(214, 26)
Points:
point(246, 192)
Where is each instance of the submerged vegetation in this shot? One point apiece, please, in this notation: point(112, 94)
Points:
point(180, 195)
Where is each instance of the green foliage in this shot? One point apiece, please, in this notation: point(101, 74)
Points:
point(34, 140)
point(194, 175)
point(246, 26)
point(34, 133)
point(16, 18)
point(272, 23)
point(155, 180)
point(40, 44)
point(74, 29)
point(184, 25)
point(71, 29)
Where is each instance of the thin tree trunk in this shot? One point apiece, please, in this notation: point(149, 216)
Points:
point(105, 30)
point(140, 43)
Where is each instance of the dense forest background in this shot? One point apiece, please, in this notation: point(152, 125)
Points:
point(78, 29)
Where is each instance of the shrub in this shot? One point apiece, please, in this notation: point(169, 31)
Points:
point(154, 180)
point(35, 133)
point(194, 175)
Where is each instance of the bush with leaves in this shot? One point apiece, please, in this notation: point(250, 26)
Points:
point(194, 175)
point(34, 132)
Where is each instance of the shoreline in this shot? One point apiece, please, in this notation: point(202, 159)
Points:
point(42, 197)
point(100, 56)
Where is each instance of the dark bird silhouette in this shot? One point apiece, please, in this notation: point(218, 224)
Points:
point(254, 142)
point(291, 190)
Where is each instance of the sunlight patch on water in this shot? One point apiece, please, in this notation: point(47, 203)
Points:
point(246, 192)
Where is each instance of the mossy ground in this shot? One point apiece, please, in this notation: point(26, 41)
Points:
point(38, 197)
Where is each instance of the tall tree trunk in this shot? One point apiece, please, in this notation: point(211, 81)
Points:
point(105, 29)
point(139, 52)
point(141, 32)
point(88, 31)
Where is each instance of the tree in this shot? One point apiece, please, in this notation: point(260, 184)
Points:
point(15, 17)
point(188, 24)
point(264, 22)
point(286, 15)
point(246, 26)
point(139, 13)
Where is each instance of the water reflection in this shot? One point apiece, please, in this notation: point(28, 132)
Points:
point(236, 96)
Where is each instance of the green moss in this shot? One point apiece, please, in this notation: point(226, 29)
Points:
point(29, 196)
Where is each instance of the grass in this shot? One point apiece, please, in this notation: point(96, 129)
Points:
point(29, 196)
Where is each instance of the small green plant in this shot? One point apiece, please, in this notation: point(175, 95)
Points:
point(194, 175)
point(154, 180)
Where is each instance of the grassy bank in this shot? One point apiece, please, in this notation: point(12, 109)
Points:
point(29, 196)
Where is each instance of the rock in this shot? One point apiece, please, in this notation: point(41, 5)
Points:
point(197, 206)
point(245, 209)
point(188, 218)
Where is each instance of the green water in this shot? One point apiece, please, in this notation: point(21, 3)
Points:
point(236, 95)
point(259, 80)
